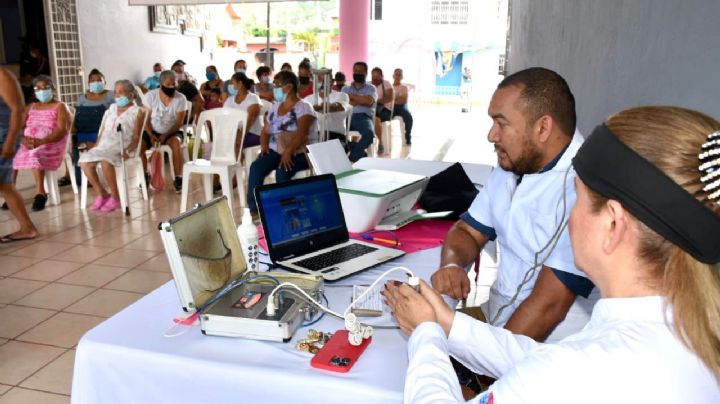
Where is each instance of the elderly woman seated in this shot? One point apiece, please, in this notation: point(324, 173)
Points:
point(291, 124)
point(45, 137)
point(120, 134)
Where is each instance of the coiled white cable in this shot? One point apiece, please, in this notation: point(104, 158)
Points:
point(357, 331)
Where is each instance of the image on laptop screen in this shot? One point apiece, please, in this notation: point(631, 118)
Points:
point(300, 210)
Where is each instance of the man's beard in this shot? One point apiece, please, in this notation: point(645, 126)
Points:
point(528, 162)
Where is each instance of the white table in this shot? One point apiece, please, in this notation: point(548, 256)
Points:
point(126, 359)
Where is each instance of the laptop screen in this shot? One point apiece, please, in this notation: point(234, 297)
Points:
point(301, 216)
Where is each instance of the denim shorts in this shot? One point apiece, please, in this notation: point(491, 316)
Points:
point(6, 165)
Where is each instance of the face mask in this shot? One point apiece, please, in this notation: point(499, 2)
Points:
point(211, 76)
point(232, 89)
point(265, 79)
point(96, 87)
point(44, 95)
point(304, 80)
point(240, 70)
point(169, 91)
point(122, 101)
point(359, 78)
point(156, 74)
point(279, 95)
point(180, 77)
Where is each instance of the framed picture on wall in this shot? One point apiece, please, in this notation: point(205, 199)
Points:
point(164, 19)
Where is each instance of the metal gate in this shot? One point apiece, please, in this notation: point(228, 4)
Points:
point(64, 49)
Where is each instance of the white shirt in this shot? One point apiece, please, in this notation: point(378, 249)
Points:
point(525, 217)
point(381, 89)
point(289, 122)
point(163, 116)
point(626, 354)
point(250, 99)
point(335, 120)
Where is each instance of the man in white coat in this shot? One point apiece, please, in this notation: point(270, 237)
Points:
point(524, 207)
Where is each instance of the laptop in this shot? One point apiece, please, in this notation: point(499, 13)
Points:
point(306, 232)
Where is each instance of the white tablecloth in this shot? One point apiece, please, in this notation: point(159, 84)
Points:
point(126, 359)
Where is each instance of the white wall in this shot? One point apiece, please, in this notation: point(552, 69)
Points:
point(621, 53)
point(116, 39)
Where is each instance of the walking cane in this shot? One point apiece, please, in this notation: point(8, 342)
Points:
point(122, 163)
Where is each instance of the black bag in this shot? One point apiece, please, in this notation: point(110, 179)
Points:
point(450, 189)
point(88, 119)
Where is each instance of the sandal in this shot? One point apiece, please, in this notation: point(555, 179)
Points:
point(8, 238)
point(39, 202)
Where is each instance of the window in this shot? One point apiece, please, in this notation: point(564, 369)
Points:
point(449, 12)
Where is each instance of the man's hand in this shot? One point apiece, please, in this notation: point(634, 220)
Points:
point(8, 150)
point(452, 281)
point(286, 161)
point(409, 307)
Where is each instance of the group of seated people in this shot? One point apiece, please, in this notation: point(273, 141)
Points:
point(608, 289)
point(170, 95)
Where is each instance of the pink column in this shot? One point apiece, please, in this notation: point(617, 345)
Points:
point(354, 22)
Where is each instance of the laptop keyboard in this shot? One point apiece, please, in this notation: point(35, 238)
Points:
point(336, 256)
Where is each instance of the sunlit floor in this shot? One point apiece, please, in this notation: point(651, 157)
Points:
point(86, 266)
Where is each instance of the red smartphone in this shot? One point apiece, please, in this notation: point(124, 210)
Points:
point(337, 355)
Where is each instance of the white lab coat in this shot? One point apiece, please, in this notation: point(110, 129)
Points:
point(626, 354)
point(525, 216)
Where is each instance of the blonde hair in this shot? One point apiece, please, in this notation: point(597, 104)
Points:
point(670, 138)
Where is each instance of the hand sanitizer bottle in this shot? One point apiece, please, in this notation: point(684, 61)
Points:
point(248, 235)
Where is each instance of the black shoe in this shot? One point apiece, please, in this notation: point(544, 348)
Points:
point(177, 183)
point(217, 189)
point(64, 181)
point(408, 142)
point(39, 203)
point(4, 206)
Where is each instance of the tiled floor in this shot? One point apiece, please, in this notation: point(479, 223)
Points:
point(86, 266)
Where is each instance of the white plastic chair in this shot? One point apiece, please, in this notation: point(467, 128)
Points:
point(140, 95)
point(51, 177)
point(132, 163)
point(250, 154)
point(223, 162)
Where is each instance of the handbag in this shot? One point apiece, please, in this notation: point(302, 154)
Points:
point(157, 182)
point(450, 189)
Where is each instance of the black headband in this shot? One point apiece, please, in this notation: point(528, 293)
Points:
point(612, 169)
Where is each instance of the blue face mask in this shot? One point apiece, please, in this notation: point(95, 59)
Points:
point(232, 89)
point(279, 95)
point(210, 76)
point(96, 87)
point(44, 95)
point(239, 70)
point(122, 101)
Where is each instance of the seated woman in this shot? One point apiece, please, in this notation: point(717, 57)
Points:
point(291, 124)
point(264, 87)
point(167, 115)
point(206, 89)
point(646, 230)
point(123, 119)
point(90, 108)
point(241, 98)
point(89, 111)
point(44, 142)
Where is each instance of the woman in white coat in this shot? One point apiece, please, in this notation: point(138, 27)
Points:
point(646, 230)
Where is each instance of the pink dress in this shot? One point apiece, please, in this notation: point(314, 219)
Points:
point(40, 124)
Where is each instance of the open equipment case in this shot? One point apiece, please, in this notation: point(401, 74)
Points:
point(205, 256)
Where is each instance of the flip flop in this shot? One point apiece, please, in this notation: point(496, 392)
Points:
point(8, 238)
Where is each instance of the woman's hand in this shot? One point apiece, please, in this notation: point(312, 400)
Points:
point(8, 150)
point(411, 308)
point(286, 161)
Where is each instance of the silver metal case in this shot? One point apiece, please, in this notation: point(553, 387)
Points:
point(203, 231)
